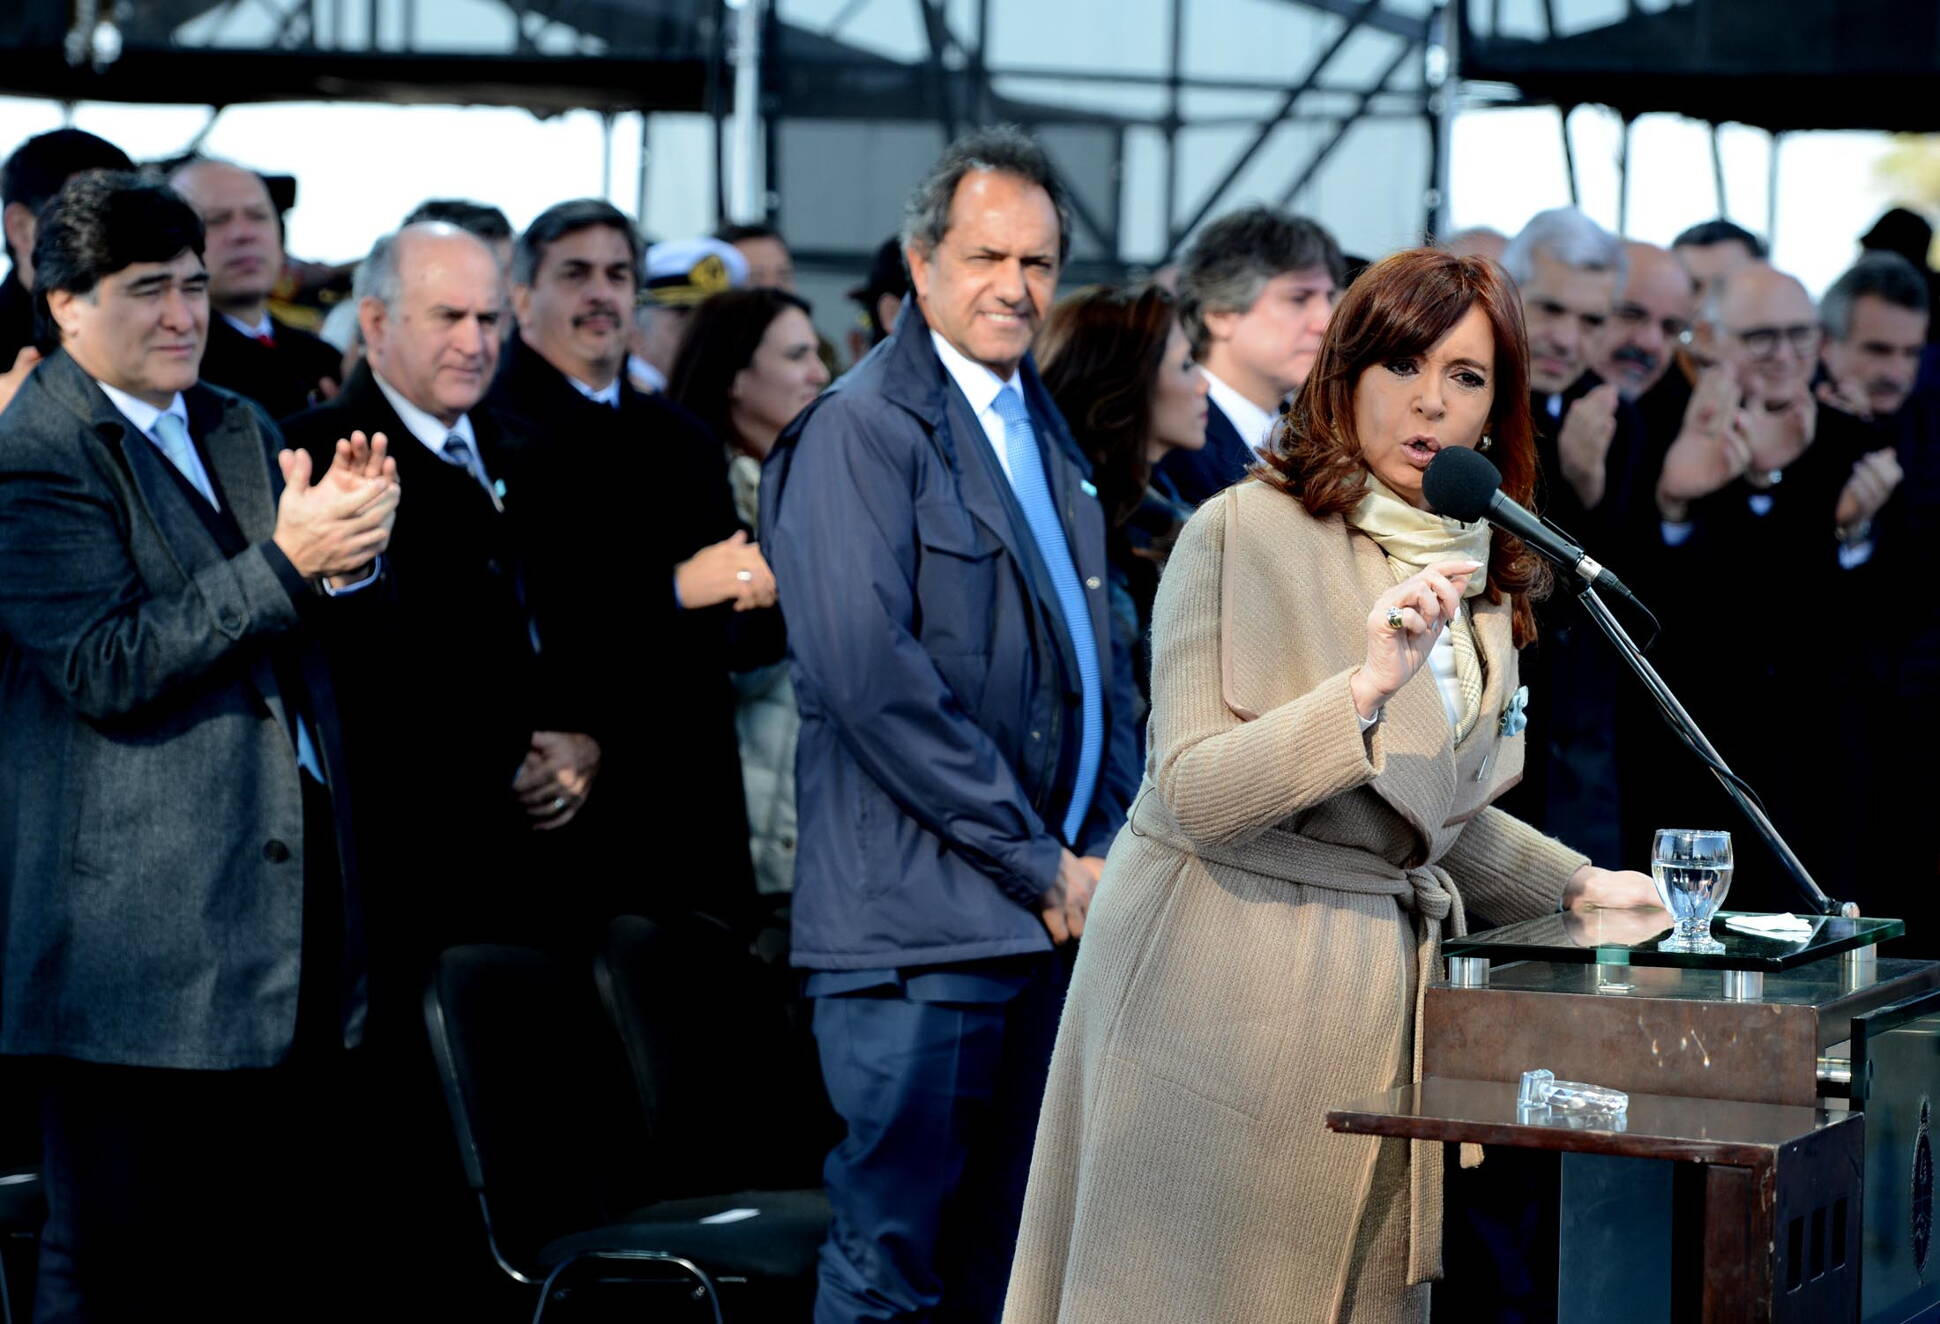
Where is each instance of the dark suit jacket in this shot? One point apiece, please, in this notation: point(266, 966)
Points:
point(939, 690)
point(575, 473)
point(1214, 467)
point(283, 378)
point(16, 319)
point(439, 693)
point(151, 816)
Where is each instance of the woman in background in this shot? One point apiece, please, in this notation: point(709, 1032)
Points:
point(1121, 371)
point(747, 365)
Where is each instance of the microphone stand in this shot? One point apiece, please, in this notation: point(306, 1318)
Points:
point(1687, 730)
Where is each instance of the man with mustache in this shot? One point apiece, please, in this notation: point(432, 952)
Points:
point(252, 353)
point(1875, 318)
point(575, 276)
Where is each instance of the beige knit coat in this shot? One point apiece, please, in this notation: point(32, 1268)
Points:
point(1255, 950)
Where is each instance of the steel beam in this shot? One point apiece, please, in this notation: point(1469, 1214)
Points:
point(1239, 162)
point(1345, 126)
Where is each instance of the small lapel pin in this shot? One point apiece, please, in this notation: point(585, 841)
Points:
point(1516, 716)
point(1089, 490)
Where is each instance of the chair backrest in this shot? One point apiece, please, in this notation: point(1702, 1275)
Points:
point(730, 1095)
point(537, 1087)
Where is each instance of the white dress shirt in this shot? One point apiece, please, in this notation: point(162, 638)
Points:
point(608, 394)
point(645, 376)
point(981, 387)
point(257, 332)
point(428, 430)
point(1254, 424)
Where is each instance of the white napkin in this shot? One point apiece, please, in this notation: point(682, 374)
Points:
point(1771, 926)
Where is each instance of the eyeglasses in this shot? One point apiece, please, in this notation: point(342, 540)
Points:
point(1762, 341)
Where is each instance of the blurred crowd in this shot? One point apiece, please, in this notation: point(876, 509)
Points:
point(579, 703)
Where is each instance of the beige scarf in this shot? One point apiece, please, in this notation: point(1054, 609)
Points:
point(1415, 539)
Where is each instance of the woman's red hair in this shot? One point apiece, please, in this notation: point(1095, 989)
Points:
point(1400, 308)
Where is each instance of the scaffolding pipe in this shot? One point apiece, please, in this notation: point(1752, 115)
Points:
point(744, 191)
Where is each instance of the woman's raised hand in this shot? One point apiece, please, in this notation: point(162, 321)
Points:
point(1402, 629)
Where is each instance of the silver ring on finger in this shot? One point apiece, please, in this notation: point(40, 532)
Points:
point(745, 576)
point(558, 803)
point(1396, 621)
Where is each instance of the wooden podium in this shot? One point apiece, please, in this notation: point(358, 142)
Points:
point(1775, 1161)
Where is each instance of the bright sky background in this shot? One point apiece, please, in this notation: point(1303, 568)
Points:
point(361, 167)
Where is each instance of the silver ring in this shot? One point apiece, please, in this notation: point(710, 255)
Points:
point(559, 802)
point(745, 576)
point(1395, 619)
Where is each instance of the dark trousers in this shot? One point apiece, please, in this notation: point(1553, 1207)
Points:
point(209, 1195)
point(941, 1102)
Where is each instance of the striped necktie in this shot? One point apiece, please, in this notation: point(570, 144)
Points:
point(1033, 489)
point(459, 454)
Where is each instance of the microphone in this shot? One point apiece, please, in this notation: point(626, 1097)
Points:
point(1461, 484)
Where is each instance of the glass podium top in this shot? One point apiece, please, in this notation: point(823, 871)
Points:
point(1619, 937)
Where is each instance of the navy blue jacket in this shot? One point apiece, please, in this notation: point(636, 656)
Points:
point(1214, 467)
point(938, 687)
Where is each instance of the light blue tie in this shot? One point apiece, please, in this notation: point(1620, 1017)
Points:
point(1033, 489)
point(172, 435)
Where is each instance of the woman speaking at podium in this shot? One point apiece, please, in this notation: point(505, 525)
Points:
point(1315, 813)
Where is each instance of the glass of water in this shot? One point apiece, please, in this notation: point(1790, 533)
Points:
point(1692, 870)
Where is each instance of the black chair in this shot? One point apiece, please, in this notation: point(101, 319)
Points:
point(568, 1182)
point(728, 1082)
point(22, 1211)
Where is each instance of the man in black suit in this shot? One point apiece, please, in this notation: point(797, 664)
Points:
point(1590, 449)
point(32, 175)
point(281, 368)
point(1764, 473)
point(458, 760)
point(180, 912)
point(575, 277)
point(1255, 291)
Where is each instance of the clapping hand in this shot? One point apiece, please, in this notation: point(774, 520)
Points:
point(1402, 628)
point(1712, 448)
point(11, 379)
point(333, 528)
point(1583, 446)
point(1873, 480)
point(1782, 429)
point(1847, 396)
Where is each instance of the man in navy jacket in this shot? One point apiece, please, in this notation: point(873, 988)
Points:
point(940, 557)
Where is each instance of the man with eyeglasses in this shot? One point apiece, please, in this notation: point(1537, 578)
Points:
point(1762, 474)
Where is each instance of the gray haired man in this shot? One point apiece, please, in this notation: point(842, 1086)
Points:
point(1589, 448)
